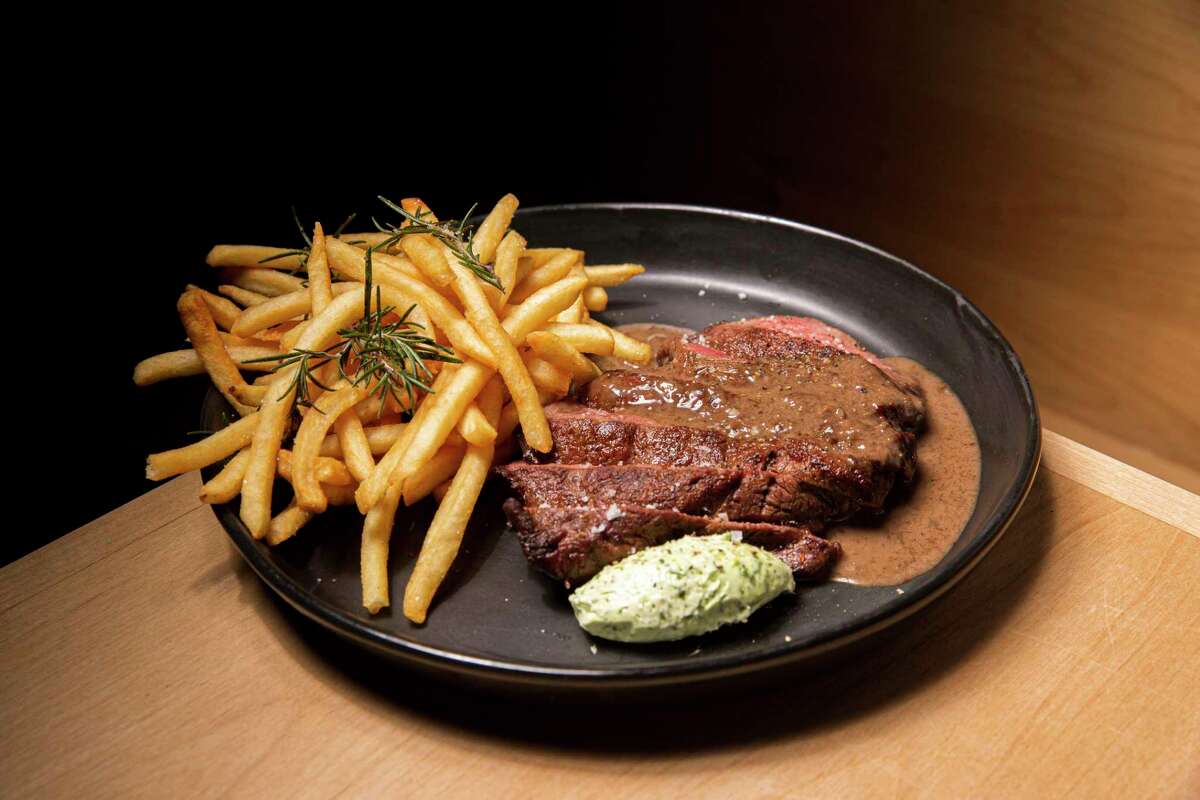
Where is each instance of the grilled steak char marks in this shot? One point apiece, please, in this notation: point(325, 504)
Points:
point(775, 427)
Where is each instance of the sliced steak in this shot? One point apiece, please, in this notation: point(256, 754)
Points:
point(574, 543)
point(734, 494)
point(775, 426)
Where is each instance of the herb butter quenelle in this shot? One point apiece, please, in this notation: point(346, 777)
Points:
point(682, 588)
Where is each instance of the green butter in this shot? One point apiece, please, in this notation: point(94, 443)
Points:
point(682, 588)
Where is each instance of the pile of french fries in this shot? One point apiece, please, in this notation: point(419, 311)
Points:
point(520, 347)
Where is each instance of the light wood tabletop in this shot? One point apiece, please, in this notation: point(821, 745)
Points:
point(140, 656)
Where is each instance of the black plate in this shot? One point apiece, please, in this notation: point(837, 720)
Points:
point(497, 621)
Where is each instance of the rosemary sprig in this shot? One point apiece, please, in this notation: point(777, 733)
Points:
point(387, 356)
point(454, 234)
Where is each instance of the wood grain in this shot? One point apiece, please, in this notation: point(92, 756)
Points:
point(142, 659)
point(1042, 157)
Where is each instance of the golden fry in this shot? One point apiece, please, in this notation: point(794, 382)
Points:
point(243, 297)
point(202, 332)
point(626, 347)
point(562, 355)
point(609, 275)
point(552, 271)
point(184, 363)
point(474, 428)
point(380, 438)
point(376, 535)
point(489, 233)
point(445, 534)
point(593, 339)
point(508, 255)
point(265, 281)
point(272, 311)
point(547, 376)
point(223, 311)
point(286, 523)
point(438, 469)
point(226, 484)
point(356, 450)
point(427, 253)
point(208, 450)
point(250, 255)
point(595, 298)
point(328, 407)
point(318, 272)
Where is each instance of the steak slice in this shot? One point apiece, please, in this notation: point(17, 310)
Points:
point(734, 494)
point(591, 436)
point(574, 543)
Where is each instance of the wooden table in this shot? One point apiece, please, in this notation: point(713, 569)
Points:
point(140, 656)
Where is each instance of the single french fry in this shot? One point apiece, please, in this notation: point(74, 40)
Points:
point(251, 255)
point(208, 450)
point(537, 310)
point(626, 347)
point(474, 428)
point(328, 408)
point(286, 523)
point(264, 281)
point(318, 272)
point(593, 339)
point(416, 206)
point(351, 262)
point(272, 311)
point(427, 253)
point(249, 395)
point(276, 408)
point(595, 298)
point(226, 484)
point(243, 297)
point(508, 255)
point(609, 275)
point(437, 470)
point(552, 271)
point(547, 376)
point(376, 536)
point(329, 471)
point(562, 355)
point(574, 313)
point(356, 450)
point(202, 332)
point(233, 340)
point(184, 363)
point(538, 256)
point(287, 342)
point(489, 233)
point(223, 311)
point(445, 534)
point(508, 361)
point(380, 438)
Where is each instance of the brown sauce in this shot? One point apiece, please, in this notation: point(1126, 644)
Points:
point(840, 400)
point(923, 524)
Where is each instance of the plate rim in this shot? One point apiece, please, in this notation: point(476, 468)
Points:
point(494, 671)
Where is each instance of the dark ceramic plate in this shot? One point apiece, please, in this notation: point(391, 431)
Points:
point(496, 621)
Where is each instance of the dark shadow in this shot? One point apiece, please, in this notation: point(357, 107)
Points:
point(795, 700)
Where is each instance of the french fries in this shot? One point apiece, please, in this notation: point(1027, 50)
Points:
point(202, 332)
point(328, 408)
point(609, 275)
point(418, 400)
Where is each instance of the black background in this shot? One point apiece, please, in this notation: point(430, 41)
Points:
point(150, 150)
